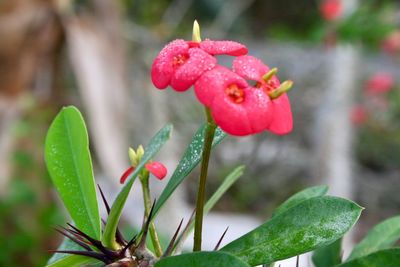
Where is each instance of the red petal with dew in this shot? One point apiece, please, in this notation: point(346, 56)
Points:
point(250, 67)
point(282, 121)
point(251, 116)
point(162, 69)
point(223, 48)
point(187, 74)
point(215, 81)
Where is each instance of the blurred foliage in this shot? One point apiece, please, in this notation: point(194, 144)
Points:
point(28, 213)
point(378, 143)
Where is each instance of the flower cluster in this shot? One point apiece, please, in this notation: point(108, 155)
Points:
point(238, 107)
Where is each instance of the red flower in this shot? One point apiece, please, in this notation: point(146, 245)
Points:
point(181, 63)
point(236, 107)
point(391, 44)
point(156, 168)
point(252, 68)
point(331, 9)
point(359, 115)
point(379, 83)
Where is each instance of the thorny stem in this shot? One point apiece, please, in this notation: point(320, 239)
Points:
point(209, 136)
point(144, 179)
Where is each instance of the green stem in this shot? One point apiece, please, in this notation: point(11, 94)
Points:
point(144, 179)
point(209, 136)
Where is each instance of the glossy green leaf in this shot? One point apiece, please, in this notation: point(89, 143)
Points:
point(382, 258)
point(202, 259)
point(226, 184)
point(313, 223)
point(382, 236)
point(315, 191)
point(66, 260)
point(151, 149)
point(69, 164)
point(189, 161)
point(328, 256)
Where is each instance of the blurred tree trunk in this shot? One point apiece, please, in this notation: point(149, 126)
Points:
point(31, 42)
point(98, 58)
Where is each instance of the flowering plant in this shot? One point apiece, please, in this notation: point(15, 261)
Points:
point(244, 100)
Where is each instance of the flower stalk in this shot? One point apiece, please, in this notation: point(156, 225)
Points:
point(144, 179)
point(209, 136)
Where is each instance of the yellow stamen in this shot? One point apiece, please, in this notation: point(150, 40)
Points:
point(283, 88)
point(196, 37)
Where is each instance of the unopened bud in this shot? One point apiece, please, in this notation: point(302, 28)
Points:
point(196, 37)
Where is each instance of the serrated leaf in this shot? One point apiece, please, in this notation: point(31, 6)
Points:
point(382, 236)
point(315, 191)
point(202, 259)
point(69, 164)
point(382, 258)
point(313, 223)
point(151, 149)
point(328, 256)
point(188, 162)
point(66, 260)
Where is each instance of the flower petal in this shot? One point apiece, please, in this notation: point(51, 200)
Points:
point(249, 67)
point(162, 68)
point(157, 169)
point(214, 81)
point(223, 48)
point(187, 74)
point(282, 121)
point(251, 116)
point(126, 174)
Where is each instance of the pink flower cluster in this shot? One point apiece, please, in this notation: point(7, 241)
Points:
point(244, 100)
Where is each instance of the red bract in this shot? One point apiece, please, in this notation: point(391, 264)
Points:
point(157, 169)
point(379, 83)
point(331, 9)
point(391, 44)
point(236, 107)
point(126, 174)
point(180, 63)
point(252, 68)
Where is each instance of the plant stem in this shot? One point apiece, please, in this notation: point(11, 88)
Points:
point(209, 136)
point(144, 179)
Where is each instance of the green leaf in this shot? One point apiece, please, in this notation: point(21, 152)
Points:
point(69, 164)
point(328, 256)
point(382, 258)
point(313, 223)
point(66, 260)
point(151, 149)
point(189, 161)
point(202, 259)
point(315, 191)
point(382, 236)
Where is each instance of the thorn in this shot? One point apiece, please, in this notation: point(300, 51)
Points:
point(74, 239)
point(104, 199)
point(185, 230)
point(109, 253)
point(170, 247)
point(220, 240)
point(297, 260)
point(130, 243)
point(90, 254)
